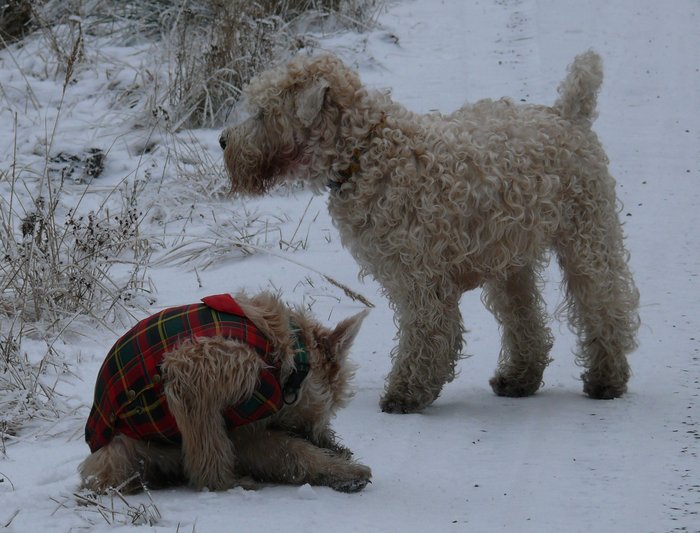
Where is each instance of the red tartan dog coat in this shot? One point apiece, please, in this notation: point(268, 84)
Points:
point(129, 396)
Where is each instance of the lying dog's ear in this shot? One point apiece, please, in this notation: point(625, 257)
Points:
point(342, 337)
point(310, 101)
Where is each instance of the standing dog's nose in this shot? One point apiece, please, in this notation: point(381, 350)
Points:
point(222, 142)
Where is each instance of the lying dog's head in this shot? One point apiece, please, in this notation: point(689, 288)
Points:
point(327, 386)
point(331, 368)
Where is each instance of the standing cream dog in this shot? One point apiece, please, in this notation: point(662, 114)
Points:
point(433, 206)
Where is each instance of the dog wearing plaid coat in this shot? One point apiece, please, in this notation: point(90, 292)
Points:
point(228, 392)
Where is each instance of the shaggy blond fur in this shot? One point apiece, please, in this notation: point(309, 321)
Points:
point(434, 205)
point(296, 445)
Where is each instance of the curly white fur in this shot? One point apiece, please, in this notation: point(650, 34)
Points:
point(434, 205)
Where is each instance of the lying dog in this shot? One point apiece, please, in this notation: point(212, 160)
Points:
point(224, 393)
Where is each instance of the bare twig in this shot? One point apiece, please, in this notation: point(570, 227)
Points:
point(12, 517)
point(119, 510)
point(4, 478)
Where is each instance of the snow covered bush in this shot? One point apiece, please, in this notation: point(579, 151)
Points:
point(58, 266)
point(222, 44)
point(26, 390)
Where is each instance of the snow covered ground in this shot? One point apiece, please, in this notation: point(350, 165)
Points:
point(557, 461)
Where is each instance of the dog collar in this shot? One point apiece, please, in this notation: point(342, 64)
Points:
point(344, 175)
point(347, 173)
point(301, 368)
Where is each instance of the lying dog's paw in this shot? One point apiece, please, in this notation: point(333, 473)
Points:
point(248, 483)
point(352, 485)
point(356, 479)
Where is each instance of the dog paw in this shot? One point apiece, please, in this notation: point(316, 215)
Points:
point(248, 483)
point(354, 481)
point(604, 391)
point(350, 485)
point(608, 384)
point(505, 386)
point(402, 406)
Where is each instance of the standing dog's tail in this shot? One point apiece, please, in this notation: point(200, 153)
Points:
point(579, 90)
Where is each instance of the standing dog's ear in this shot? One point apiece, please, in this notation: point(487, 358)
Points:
point(310, 101)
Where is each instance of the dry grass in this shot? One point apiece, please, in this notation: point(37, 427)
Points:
point(59, 263)
point(60, 269)
point(217, 46)
point(204, 51)
point(27, 392)
point(112, 508)
point(62, 265)
point(15, 20)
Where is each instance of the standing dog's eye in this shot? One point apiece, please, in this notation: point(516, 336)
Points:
point(222, 142)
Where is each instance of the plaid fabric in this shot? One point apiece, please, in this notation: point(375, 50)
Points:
point(129, 396)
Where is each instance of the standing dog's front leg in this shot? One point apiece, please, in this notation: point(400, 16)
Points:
point(430, 341)
point(202, 378)
point(271, 455)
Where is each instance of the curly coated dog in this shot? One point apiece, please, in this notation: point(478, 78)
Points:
point(434, 205)
point(224, 393)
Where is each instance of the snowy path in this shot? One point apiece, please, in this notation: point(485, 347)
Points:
point(472, 461)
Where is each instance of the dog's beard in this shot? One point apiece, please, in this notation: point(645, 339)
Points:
point(255, 173)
